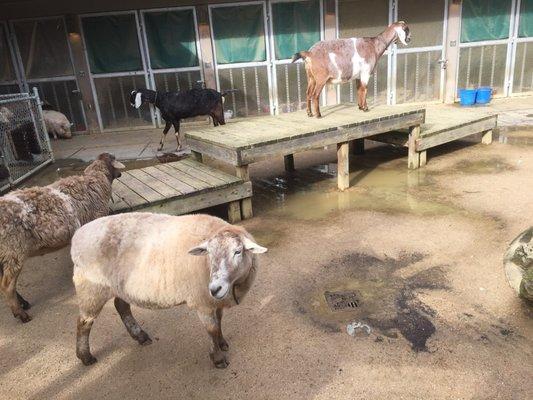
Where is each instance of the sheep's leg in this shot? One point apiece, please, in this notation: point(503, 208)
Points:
point(211, 321)
point(133, 328)
point(23, 303)
point(91, 299)
point(164, 135)
point(8, 285)
point(224, 346)
point(177, 133)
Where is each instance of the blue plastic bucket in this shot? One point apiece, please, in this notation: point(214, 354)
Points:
point(467, 96)
point(483, 95)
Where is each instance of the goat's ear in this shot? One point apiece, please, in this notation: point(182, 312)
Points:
point(252, 246)
point(138, 100)
point(118, 165)
point(199, 250)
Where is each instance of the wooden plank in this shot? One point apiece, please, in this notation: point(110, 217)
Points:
point(140, 188)
point(199, 200)
point(358, 146)
point(343, 165)
point(413, 159)
point(289, 162)
point(170, 180)
point(197, 173)
point(213, 171)
point(127, 195)
point(450, 135)
point(487, 137)
point(189, 180)
point(396, 138)
point(242, 172)
point(117, 203)
point(160, 187)
point(234, 212)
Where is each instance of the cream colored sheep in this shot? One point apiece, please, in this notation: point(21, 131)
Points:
point(160, 261)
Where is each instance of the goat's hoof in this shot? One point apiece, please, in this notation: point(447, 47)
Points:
point(222, 363)
point(144, 339)
point(224, 346)
point(310, 115)
point(319, 115)
point(87, 359)
point(24, 317)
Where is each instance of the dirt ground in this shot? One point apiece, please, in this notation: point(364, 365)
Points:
point(422, 250)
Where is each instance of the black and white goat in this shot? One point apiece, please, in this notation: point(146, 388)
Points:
point(175, 106)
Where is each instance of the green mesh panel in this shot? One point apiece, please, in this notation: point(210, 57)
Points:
point(112, 43)
point(485, 20)
point(296, 27)
point(239, 33)
point(525, 27)
point(171, 39)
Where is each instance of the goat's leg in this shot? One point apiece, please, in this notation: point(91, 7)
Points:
point(133, 328)
point(91, 299)
point(316, 97)
point(168, 124)
point(8, 286)
point(362, 91)
point(309, 94)
point(211, 321)
point(177, 134)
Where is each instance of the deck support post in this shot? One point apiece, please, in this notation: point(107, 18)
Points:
point(234, 212)
point(343, 165)
point(423, 158)
point(289, 162)
point(358, 147)
point(413, 161)
point(246, 204)
point(486, 137)
point(197, 156)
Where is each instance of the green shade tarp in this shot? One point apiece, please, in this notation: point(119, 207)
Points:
point(525, 27)
point(112, 43)
point(485, 20)
point(171, 39)
point(239, 33)
point(296, 27)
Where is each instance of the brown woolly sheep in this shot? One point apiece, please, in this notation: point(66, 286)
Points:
point(40, 218)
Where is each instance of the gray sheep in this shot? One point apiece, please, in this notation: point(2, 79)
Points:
point(39, 218)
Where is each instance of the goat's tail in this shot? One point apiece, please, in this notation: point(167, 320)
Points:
point(226, 92)
point(300, 54)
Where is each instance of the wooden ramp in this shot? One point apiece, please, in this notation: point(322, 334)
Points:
point(243, 142)
point(443, 124)
point(178, 188)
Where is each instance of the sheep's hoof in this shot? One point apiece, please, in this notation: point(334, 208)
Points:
point(224, 346)
point(160, 147)
point(24, 317)
point(222, 363)
point(88, 360)
point(144, 339)
point(24, 304)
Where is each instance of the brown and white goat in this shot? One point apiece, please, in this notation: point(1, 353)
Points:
point(342, 60)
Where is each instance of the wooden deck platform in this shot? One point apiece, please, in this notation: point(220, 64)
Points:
point(443, 124)
point(243, 142)
point(178, 188)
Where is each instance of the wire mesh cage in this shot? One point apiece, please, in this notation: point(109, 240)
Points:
point(24, 143)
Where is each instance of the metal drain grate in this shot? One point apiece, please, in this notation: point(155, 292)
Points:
point(339, 301)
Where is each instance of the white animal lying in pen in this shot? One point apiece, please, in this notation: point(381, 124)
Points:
point(57, 124)
point(161, 261)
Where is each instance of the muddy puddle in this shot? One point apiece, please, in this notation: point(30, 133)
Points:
point(518, 137)
point(387, 302)
point(312, 194)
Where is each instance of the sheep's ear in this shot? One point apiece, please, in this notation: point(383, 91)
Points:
point(252, 246)
point(118, 165)
point(199, 250)
point(138, 100)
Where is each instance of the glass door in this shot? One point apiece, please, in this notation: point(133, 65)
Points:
point(296, 25)
point(242, 56)
point(117, 66)
point(44, 54)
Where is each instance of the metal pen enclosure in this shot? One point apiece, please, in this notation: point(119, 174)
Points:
point(24, 142)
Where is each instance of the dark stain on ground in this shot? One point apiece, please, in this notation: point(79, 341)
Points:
point(389, 302)
point(491, 165)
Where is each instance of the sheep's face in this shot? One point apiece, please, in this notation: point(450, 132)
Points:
point(230, 255)
point(402, 32)
point(112, 164)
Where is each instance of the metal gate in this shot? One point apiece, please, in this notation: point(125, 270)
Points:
point(44, 56)
point(242, 56)
point(171, 42)
point(24, 143)
point(117, 65)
